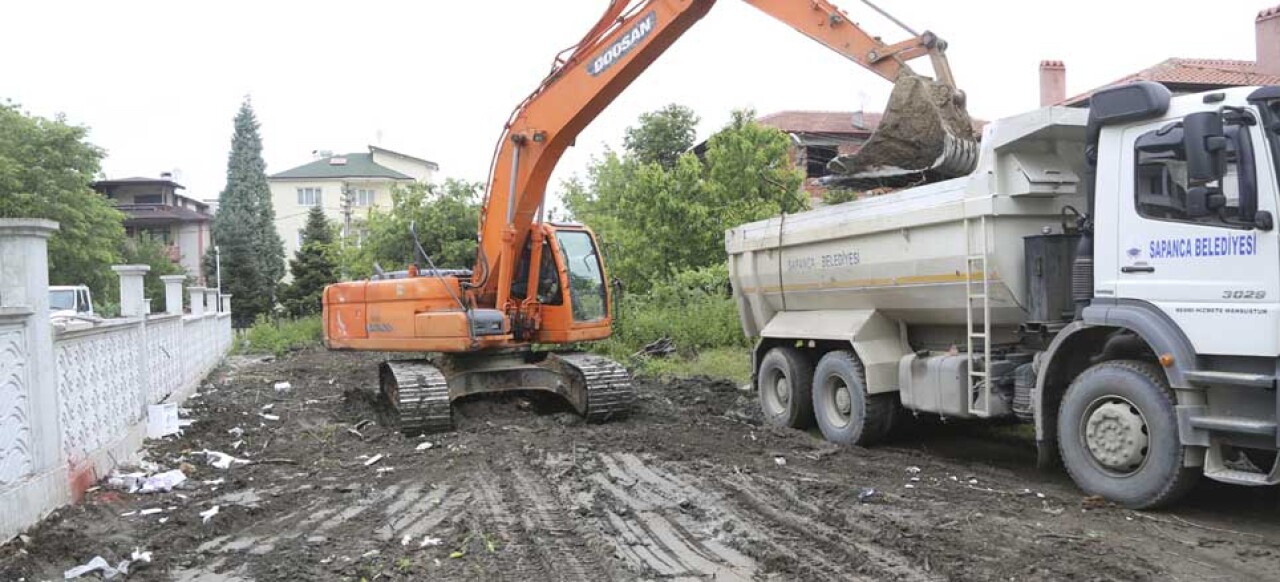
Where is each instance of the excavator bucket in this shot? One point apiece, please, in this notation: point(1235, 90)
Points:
point(924, 135)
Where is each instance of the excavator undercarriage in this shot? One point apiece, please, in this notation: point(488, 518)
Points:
point(420, 392)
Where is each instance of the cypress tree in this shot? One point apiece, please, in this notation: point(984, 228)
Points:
point(244, 228)
point(312, 266)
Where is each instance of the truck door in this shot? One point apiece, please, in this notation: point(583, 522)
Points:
point(1216, 276)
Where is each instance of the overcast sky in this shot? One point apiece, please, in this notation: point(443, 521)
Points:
point(158, 83)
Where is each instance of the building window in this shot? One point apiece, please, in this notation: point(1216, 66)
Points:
point(816, 158)
point(364, 197)
point(156, 234)
point(148, 199)
point(309, 197)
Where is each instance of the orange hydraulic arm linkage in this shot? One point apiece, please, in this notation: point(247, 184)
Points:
point(587, 77)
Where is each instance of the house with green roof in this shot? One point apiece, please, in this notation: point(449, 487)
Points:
point(342, 185)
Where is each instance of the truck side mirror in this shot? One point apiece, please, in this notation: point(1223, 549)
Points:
point(1204, 201)
point(1206, 147)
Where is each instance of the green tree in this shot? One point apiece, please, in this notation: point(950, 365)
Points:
point(46, 168)
point(145, 251)
point(244, 228)
point(656, 222)
point(445, 216)
point(662, 135)
point(313, 267)
point(840, 195)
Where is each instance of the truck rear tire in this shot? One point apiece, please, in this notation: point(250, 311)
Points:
point(1118, 435)
point(783, 382)
point(845, 413)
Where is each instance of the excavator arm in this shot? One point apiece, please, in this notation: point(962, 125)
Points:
point(614, 52)
point(543, 283)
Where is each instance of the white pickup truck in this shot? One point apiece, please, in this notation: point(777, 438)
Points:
point(70, 301)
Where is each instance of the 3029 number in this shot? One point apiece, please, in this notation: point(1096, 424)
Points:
point(1244, 294)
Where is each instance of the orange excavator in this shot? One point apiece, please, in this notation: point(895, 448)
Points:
point(539, 283)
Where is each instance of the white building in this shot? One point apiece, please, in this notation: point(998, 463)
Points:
point(368, 177)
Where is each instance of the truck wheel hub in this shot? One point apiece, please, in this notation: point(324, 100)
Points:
point(844, 403)
point(782, 389)
point(1116, 435)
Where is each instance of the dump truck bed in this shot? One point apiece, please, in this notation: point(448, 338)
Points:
point(904, 253)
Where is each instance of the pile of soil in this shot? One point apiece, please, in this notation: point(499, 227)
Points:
point(911, 136)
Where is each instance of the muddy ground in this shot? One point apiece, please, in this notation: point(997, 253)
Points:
point(690, 487)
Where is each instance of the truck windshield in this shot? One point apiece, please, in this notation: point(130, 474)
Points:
point(586, 279)
point(62, 299)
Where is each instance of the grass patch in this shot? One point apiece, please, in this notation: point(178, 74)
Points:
point(696, 312)
point(728, 363)
point(281, 336)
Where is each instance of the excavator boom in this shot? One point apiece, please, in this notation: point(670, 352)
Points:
point(536, 282)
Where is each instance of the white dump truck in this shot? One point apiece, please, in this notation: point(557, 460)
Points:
point(1110, 274)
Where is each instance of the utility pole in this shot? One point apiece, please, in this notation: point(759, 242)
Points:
point(347, 203)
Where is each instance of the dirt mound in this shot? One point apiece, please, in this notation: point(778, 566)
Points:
point(918, 133)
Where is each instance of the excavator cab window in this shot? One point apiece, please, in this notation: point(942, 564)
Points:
point(549, 291)
point(521, 279)
point(586, 278)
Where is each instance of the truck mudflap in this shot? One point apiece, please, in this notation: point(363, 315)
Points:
point(875, 338)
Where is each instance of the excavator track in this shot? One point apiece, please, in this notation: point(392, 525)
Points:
point(610, 394)
point(419, 394)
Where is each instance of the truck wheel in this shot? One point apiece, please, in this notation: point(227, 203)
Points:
point(1118, 435)
point(783, 381)
point(845, 412)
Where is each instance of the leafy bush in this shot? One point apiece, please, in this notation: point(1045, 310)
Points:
point(282, 336)
point(694, 309)
point(657, 220)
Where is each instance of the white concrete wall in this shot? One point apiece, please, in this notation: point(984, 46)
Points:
point(73, 402)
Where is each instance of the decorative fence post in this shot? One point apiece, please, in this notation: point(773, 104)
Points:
point(133, 298)
point(32, 470)
point(211, 300)
point(197, 300)
point(173, 293)
point(226, 303)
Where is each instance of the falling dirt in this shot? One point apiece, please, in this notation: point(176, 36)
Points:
point(692, 486)
point(912, 134)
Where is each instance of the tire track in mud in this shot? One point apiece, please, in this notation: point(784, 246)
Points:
point(673, 524)
point(779, 506)
point(656, 523)
point(556, 540)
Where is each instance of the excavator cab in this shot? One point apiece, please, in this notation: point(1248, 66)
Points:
point(571, 302)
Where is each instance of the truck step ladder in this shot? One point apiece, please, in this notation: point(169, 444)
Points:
point(978, 315)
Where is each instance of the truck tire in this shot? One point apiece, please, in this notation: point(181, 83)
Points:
point(1118, 435)
point(845, 413)
point(783, 382)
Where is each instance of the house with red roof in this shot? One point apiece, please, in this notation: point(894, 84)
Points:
point(1185, 75)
